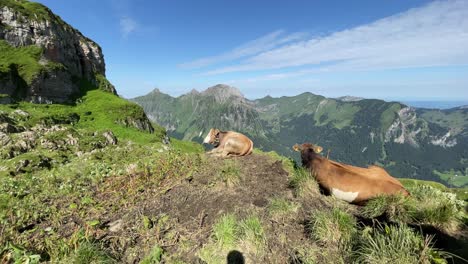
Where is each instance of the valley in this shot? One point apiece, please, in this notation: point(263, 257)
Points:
point(87, 176)
point(409, 142)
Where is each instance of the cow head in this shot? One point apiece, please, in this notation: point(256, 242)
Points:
point(307, 147)
point(308, 152)
point(212, 137)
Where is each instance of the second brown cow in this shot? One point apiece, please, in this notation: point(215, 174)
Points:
point(228, 143)
point(346, 182)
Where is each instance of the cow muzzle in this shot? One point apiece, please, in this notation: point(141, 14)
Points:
point(207, 139)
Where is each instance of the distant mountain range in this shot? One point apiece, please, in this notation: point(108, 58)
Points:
point(437, 104)
point(409, 142)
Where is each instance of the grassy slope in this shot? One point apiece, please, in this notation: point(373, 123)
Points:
point(25, 59)
point(130, 181)
point(98, 111)
point(454, 119)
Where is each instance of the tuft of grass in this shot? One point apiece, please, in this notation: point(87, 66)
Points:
point(394, 207)
point(225, 231)
point(247, 236)
point(252, 233)
point(438, 208)
point(426, 205)
point(154, 256)
point(333, 228)
point(395, 244)
point(230, 173)
point(14, 254)
point(89, 253)
point(303, 183)
point(280, 208)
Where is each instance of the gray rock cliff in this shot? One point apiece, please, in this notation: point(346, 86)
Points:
point(74, 56)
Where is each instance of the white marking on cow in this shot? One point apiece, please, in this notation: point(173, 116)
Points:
point(207, 138)
point(347, 196)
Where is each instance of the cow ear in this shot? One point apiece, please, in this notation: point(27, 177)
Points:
point(318, 149)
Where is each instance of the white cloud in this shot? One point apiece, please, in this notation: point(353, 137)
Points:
point(262, 44)
point(432, 35)
point(127, 26)
point(275, 76)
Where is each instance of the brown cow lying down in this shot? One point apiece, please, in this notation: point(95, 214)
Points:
point(346, 182)
point(228, 143)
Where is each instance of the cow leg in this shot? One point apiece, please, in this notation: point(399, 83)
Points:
point(222, 154)
point(232, 155)
point(214, 151)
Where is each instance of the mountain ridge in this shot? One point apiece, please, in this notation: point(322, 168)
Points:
point(361, 132)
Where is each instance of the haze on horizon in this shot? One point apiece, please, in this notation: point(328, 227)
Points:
point(393, 50)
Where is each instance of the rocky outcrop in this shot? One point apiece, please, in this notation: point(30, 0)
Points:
point(73, 55)
point(445, 141)
point(140, 123)
point(405, 128)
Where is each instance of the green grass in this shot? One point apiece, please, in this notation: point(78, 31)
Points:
point(230, 172)
point(395, 244)
point(225, 231)
point(426, 205)
point(30, 10)
point(97, 111)
point(228, 233)
point(438, 208)
point(333, 112)
point(334, 227)
point(410, 183)
point(71, 188)
point(304, 183)
point(24, 59)
point(453, 178)
point(154, 256)
point(395, 207)
point(252, 233)
point(388, 116)
point(187, 146)
point(279, 208)
point(90, 253)
point(449, 118)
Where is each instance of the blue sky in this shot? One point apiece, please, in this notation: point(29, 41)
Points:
point(389, 49)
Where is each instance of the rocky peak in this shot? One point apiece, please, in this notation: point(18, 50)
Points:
point(155, 91)
point(223, 92)
point(194, 92)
